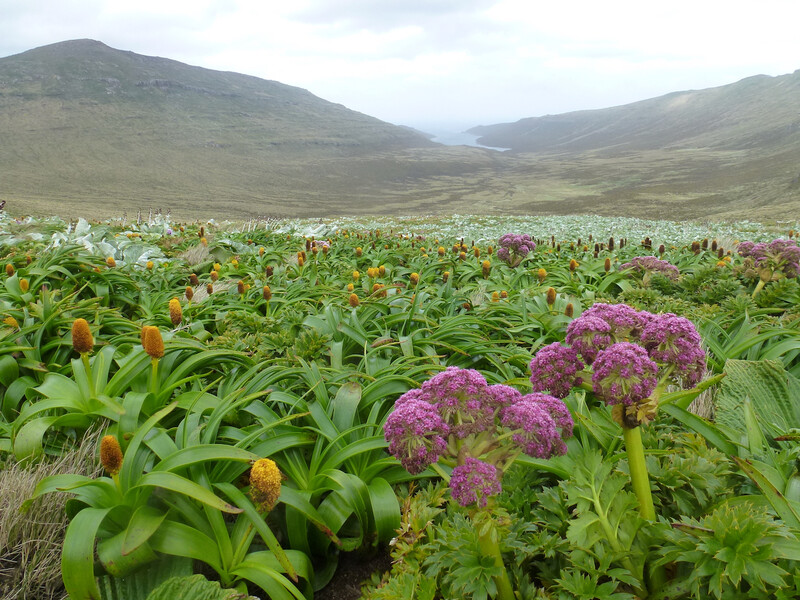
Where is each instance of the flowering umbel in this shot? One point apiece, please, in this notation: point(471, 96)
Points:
point(265, 484)
point(457, 418)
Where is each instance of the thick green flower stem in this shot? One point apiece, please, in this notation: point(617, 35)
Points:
point(154, 376)
point(638, 469)
point(89, 375)
point(490, 547)
point(641, 487)
point(759, 286)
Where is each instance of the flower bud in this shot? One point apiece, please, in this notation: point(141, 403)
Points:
point(266, 292)
point(24, 285)
point(541, 274)
point(9, 269)
point(353, 300)
point(551, 296)
point(607, 265)
point(240, 287)
point(194, 280)
point(149, 266)
point(189, 293)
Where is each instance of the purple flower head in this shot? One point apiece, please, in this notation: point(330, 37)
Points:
point(503, 395)
point(554, 369)
point(514, 248)
point(673, 340)
point(773, 258)
point(169, 230)
point(647, 265)
point(416, 435)
point(588, 335)
point(474, 481)
point(540, 424)
point(625, 322)
point(624, 373)
point(463, 400)
point(745, 249)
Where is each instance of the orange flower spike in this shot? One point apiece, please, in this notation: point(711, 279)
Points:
point(353, 300)
point(82, 340)
point(152, 342)
point(110, 454)
point(266, 292)
point(541, 274)
point(9, 269)
point(110, 262)
point(189, 293)
point(551, 296)
point(175, 312)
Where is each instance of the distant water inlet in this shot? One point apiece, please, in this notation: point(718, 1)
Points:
point(450, 138)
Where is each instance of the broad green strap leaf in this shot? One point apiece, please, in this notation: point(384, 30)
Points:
point(203, 453)
point(240, 500)
point(131, 465)
point(345, 405)
point(77, 556)
point(708, 430)
point(777, 500)
point(385, 509)
point(143, 524)
point(181, 485)
point(182, 540)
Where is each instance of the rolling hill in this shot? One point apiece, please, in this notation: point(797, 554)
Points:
point(88, 130)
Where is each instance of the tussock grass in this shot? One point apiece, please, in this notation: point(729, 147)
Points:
point(30, 541)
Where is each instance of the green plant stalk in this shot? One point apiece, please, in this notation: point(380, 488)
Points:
point(759, 286)
point(489, 546)
point(154, 376)
point(641, 487)
point(89, 376)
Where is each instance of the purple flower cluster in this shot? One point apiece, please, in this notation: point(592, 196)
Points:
point(624, 374)
point(554, 369)
point(457, 415)
point(514, 248)
point(673, 341)
point(540, 423)
point(416, 434)
point(589, 335)
point(624, 322)
point(770, 258)
point(650, 264)
point(474, 481)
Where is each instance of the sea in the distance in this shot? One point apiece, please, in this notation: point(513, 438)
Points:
point(452, 138)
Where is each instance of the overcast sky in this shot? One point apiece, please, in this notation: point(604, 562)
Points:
point(449, 64)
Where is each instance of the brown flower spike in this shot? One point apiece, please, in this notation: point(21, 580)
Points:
point(82, 340)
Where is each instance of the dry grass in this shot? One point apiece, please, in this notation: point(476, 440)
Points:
point(30, 542)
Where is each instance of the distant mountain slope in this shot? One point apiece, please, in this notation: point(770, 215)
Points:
point(79, 119)
point(759, 112)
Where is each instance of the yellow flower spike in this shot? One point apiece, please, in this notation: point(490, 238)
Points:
point(24, 285)
point(350, 287)
point(261, 251)
point(266, 292)
point(486, 269)
point(9, 269)
point(541, 274)
point(445, 276)
point(440, 251)
point(300, 260)
point(149, 266)
point(175, 312)
point(234, 262)
point(265, 484)
point(217, 267)
point(356, 275)
point(110, 262)
point(495, 297)
point(382, 271)
point(82, 340)
point(414, 279)
point(573, 264)
point(214, 275)
point(503, 294)
point(11, 322)
point(204, 241)
point(359, 252)
point(110, 454)
point(353, 300)
point(152, 341)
